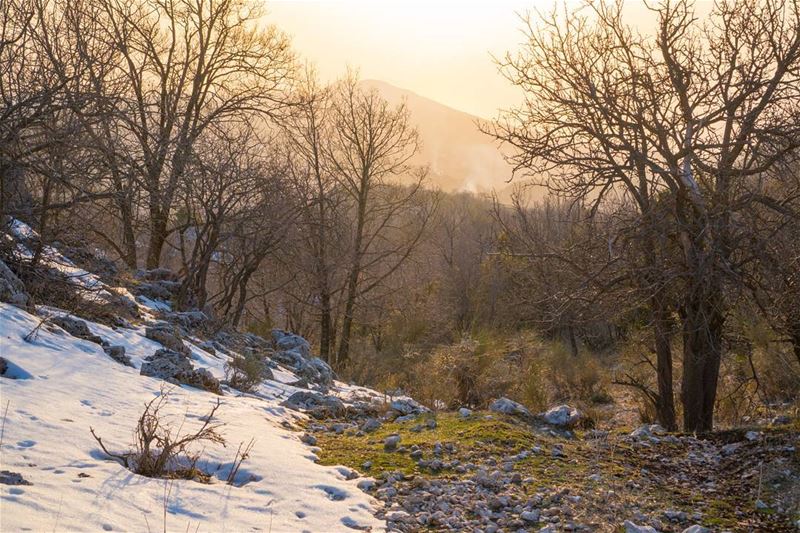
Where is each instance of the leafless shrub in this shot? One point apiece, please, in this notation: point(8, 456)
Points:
point(242, 453)
point(161, 451)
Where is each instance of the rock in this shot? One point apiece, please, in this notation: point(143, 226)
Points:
point(12, 290)
point(157, 274)
point(76, 327)
point(761, 506)
point(366, 484)
point(548, 529)
point(675, 516)
point(406, 418)
point(3, 366)
point(647, 432)
point(201, 378)
point(562, 416)
point(730, 449)
point(187, 319)
point(752, 435)
point(408, 406)
point(318, 405)
point(696, 529)
point(370, 425)
point(509, 407)
point(117, 353)
point(464, 412)
point(208, 346)
point(295, 352)
point(176, 368)
point(530, 516)
point(158, 290)
point(285, 341)
point(630, 527)
point(780, 420)
point(166, 335)
point(12, 478)
point(309, 439)
point(391, 442)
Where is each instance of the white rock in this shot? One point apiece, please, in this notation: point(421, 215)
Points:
point(752, 435)
point(509, 407)
point(562, 416)
point(530, 516)
point(696, 529)
point(630, 527)
point(464, 412)
point(391, 442)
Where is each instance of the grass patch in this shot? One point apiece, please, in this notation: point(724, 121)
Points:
point(498, 434)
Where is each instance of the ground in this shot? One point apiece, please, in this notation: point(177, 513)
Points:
point(594, 481)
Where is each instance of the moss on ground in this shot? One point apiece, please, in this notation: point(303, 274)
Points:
point(628, 472)
point(498, 434)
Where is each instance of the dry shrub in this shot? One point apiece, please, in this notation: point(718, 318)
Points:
point(244, 373)
point(520, 366)
point(578, 377)
point(161, 451)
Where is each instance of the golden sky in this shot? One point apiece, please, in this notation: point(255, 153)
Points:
point(440, 49)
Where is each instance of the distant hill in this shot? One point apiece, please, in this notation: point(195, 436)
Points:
point(460, 156)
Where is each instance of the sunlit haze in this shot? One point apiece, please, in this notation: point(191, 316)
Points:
point(440, 49)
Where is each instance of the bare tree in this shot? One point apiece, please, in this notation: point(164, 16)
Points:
point(189, 65)
point(690, 117)
point(371, 145)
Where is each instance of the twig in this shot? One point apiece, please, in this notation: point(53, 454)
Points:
point(122, 458)
point(3, 429)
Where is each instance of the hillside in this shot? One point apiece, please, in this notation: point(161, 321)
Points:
point(460, 156)
point(300, 451)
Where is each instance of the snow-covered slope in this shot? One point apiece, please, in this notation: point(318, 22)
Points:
point(70, 385)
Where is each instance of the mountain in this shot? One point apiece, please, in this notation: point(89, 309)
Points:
point(459, 155)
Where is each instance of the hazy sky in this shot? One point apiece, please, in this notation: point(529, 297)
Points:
point(440, 49)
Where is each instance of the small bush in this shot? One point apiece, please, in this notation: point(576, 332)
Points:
point(244, 373)
point(161, 451)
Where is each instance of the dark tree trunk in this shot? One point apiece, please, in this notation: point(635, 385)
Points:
point(665, 405)
point(702, 353)
point(325, 327)
point(158, 236)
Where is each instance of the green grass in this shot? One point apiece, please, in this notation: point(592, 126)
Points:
point(498, 434)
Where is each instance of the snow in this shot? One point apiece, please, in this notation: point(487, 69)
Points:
point(93, 288)
point(73, 385)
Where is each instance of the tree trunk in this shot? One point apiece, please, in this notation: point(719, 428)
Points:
point(702, 353)
point(347, 323)
point(665, 406)
point(325, 327)
point(158, 236)
point(352, 283)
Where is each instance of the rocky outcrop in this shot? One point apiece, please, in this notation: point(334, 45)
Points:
point(509, 407)
point(294, 352)
point(117, 353)
point(12, 290)
point(175, 367)
point(168, 337)
point(77, 328)
point(407, 407)
point(157, 274)
point(562, 416)
point(317, 405)
point(187, 319)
